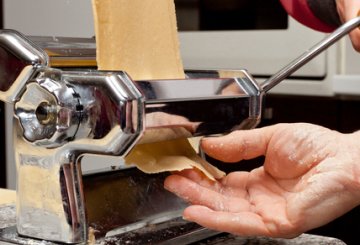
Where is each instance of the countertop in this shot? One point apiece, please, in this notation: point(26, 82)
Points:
point(304, 239)
point(8, 221)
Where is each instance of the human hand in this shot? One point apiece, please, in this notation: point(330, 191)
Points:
point(347, 10)
point(310, 177)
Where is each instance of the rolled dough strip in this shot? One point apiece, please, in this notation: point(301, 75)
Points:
point(173, 155)
point(140, 37)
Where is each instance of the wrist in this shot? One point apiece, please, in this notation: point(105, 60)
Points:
point(352, 162)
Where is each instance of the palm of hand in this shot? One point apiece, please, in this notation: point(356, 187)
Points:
point(306, 181)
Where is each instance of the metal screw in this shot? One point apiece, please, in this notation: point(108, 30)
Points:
point(45, 114)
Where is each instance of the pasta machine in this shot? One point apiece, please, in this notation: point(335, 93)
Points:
point(64, 109)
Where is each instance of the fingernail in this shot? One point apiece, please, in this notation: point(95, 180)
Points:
point(203, 140)
point(168, 187)
point(209, 138)
point(185, 218)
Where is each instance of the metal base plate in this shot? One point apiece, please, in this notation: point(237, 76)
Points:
point(176, 231)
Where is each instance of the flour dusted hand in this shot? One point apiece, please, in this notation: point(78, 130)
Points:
point(310, 177)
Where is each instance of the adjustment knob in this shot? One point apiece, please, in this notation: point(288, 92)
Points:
point(48, 112)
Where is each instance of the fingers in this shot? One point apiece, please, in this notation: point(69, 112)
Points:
point(213, 198)
point(242, 223)
point(233, 185)
point(347, 10)
point(232, 180)
point(198, 177)
point(355, 34)
point(239, 145)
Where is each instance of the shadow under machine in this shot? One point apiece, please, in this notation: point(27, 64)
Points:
point(64, 108)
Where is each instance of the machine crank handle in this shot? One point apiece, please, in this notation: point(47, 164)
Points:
point(310, 54)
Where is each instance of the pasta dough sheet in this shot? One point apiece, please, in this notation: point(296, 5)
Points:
point(140, 37)
point(7, 197)
point(173, 155)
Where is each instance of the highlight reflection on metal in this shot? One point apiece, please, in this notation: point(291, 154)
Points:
point(62, 114)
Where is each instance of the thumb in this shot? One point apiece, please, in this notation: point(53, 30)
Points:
point(347, 10)
point(239, 145)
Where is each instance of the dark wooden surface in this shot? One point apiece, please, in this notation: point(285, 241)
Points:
point(338, 113)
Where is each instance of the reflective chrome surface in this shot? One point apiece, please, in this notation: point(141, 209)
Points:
point(67, 51)
point(77, 113)
point(201, 105)
point(49, 112)
point(19, 59)
point(62, 114)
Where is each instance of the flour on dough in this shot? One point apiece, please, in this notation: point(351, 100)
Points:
point(140, 37)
